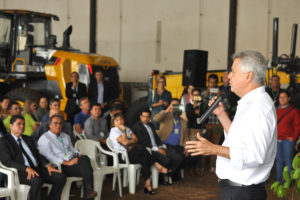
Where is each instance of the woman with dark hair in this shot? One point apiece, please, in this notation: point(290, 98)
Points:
point(4, 102)
point(187, 96)
point(123, 139)
point(42, 108)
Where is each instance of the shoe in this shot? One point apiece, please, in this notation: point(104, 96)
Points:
point(150, 192)
point(192, 172)
point(90, 194)
point(165, 183)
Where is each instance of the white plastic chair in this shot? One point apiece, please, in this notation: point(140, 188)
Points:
point(9, 190)
point(66, 191)
point(14, 189)
point(131, 172)
point(92, 149)
point(80, 136)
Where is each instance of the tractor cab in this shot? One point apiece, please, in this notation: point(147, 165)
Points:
point(25, 41)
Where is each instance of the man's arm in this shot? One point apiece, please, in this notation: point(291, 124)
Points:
point(204, 147)
point(220, 112)
point(6, 157)
point(159, 117)
point(77, 124)
point(89, 131)
point(69, 91)
point(296, 124)
point(82, 90)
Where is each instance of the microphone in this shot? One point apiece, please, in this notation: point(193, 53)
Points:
point(212, 107)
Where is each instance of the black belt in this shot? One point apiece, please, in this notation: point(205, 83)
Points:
point(227, 182)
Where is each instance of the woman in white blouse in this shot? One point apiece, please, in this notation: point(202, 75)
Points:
point(125, 140)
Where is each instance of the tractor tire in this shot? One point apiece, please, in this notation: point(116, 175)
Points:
point(133, 113)
point(21, 94)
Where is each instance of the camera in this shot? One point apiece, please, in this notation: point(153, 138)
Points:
point(214, 90)
point(197, 98)
point(177, 109)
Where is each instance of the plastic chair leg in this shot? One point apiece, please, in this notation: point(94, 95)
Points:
point(154, 177)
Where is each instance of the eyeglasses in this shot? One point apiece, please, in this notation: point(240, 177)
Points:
point(57, 123)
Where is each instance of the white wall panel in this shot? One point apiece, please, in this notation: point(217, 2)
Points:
point(143, 35)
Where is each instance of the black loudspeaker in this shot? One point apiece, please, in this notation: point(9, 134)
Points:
point(194, 68)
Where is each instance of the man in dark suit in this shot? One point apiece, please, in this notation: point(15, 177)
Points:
point(100, 91)
point(74, 91)
point(148, 137)
point(18, 151)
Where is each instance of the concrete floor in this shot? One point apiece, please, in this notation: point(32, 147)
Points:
point(190, 188)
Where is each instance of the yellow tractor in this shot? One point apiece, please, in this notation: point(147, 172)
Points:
point(31, 65)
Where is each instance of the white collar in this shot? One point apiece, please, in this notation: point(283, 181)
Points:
point(251, 95)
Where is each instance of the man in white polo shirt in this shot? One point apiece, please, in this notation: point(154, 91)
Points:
point(247, 155)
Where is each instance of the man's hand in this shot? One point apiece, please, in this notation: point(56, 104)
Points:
point(74, 161)
point(160, 102)
point(201, 147)
point(122, 127)
point(186, 152)
point(169, 109)
point(219, 110)
point(51, 169)
point(162, 151)
point(165, 103)
point(31, 173)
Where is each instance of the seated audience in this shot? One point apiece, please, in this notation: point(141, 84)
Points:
point(123, 139)
point(44, 127)
point(275, 89)
point(75, 90)
point(56, 146)
point(4, 102)
point(113, 103)
point(54, 106)
point(30, 108)
point(18, 151)
point(95, 127)
point(42, 108)
point(194, 111)
point(114, 109)
point(83, 115)
point(288, 130)
point(14, 108)
point(148, 138)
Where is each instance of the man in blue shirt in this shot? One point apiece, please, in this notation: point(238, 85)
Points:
point(84, 114)
point(56, 146)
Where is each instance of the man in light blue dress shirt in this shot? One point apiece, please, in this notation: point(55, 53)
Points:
point(57, 147)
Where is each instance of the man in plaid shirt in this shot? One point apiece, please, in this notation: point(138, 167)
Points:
point(213, 126)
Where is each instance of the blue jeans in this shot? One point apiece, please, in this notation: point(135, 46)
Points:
point(284, 157)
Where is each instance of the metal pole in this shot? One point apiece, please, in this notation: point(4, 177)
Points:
point(231, 32)
point(93, 15)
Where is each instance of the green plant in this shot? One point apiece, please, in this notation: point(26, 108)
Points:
point(281, 189)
